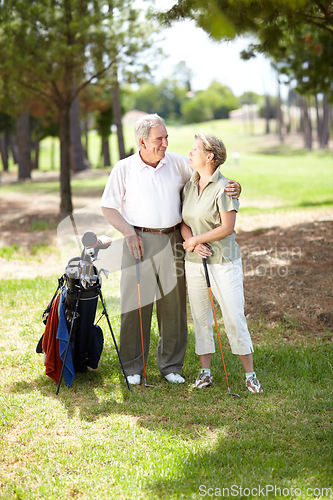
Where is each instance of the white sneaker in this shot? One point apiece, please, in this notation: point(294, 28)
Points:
point(134, 379)
point(204, 380)
point(175, 378)
point(253, 384)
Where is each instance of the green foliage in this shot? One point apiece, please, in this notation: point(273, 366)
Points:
point(104, 121)
point(53, 50)
point(48, 49)
point(213, 103)
point(304, 56)
point(164, 98)
point(7, 252)
point(250, 98)
point(7, 123)
point(297, 34)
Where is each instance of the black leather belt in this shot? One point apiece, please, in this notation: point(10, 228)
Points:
point(166, 230)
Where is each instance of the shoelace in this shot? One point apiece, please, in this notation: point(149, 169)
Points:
point(254, 381)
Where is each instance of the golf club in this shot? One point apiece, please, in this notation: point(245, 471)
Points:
point(137, 265)
point(216, 325)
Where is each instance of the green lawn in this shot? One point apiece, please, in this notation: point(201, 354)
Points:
point(97, 440)
point(288, 179)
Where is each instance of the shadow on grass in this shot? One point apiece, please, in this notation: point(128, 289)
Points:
point(282, 449)
point(282, 436)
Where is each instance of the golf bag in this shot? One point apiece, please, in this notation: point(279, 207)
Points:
point(87, 337)
point(72, 341)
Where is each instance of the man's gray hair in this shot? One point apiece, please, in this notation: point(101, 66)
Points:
point(144, 124)
point(213, 145)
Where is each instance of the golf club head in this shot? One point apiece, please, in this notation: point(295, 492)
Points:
point(147, 385)
point(233, 394)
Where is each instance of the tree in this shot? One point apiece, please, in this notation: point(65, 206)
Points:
point(6, 129)
point(268, 19)
point(104, 121)
point(46, 48)
point(296, 34)
point(131, 40)
point(213, 103)
point(23, 137)
point(284, 29)
point(55, 48)
point(165, 98)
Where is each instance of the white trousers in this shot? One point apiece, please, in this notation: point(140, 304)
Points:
point(227, 286)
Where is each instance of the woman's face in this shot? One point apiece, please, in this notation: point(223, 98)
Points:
point(197, 156)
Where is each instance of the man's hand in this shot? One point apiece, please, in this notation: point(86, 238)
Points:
point(233, 189)
point(190, 244)
point(133, 240)
point(135, 246)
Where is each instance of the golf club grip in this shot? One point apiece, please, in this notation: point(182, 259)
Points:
point(206, 271)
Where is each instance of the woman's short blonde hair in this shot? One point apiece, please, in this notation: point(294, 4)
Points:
point(213, 145)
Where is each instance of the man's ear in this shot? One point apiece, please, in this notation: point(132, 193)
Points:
point(142, 143)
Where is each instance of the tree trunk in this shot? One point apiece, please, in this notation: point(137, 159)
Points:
point(306, 124)
point(105, 152)
point(24, 145)
point(4, 152)
point(78, 161)
point(86, 136)
point(279, 114)
point(324, 136)
point(13, 146)
point(36, 154)
point(319, 120)
point(66, 206)
point(267, 112)
point(117, 115)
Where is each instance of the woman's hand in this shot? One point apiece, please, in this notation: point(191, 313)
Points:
point(203, 250)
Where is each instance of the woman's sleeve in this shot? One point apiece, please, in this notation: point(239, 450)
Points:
point(225, 203)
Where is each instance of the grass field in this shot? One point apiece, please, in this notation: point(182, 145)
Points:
point(96, 440)
point(288, 178)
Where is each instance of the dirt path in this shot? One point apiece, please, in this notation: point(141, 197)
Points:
point(287, 258)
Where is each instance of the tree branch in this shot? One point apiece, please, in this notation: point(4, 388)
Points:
point(87, 82)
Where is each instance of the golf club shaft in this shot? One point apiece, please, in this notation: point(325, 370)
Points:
point(113, 337)
point(215, 319)
point(140, 314)
point(218, 334)
point(141, 331)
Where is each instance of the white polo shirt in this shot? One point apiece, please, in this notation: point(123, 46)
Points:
point(148, 196)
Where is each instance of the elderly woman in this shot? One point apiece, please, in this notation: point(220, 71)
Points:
point(209, 217)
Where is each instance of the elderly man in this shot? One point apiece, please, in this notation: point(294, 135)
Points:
point(142, 200)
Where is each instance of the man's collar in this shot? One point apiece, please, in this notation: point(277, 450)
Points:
point(145, 165)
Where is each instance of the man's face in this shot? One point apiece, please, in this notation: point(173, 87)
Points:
point(152, 150)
